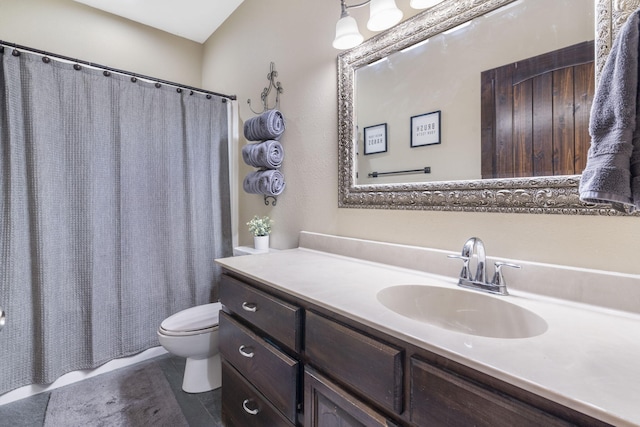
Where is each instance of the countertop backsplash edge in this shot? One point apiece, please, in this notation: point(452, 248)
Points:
point(605, 289)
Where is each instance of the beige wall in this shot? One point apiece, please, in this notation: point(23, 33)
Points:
point(78, 31)
point(297, 36)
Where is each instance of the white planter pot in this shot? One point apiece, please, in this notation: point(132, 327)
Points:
point(261, 243)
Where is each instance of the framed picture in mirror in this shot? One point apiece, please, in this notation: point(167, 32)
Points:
point(375, 139)
point(425, 129)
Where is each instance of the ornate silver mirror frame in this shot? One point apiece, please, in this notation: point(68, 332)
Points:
point(553, 195)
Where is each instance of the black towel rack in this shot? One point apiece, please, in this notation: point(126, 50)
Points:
point(426, 169)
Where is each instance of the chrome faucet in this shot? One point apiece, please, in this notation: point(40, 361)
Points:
point(473, 250)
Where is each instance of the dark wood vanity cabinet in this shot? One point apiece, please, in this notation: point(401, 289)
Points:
point(259, 344)
point(287, 362)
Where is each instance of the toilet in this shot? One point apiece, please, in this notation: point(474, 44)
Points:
point(193, 333)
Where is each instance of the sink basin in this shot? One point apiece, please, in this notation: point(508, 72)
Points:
point(460, 310)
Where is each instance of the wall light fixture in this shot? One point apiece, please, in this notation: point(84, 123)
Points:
point(383, 14)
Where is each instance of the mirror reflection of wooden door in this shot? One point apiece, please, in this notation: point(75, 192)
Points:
point(535, 114)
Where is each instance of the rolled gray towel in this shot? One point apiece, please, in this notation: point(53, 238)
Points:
point(268, 182)
point(268, 125)
point(267, 154)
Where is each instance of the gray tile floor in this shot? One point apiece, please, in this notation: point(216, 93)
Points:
point(200, 409)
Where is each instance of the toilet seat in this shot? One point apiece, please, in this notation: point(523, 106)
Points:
point(192, 321)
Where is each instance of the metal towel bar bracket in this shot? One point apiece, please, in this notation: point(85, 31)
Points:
point(273, 202)
point(273, 84)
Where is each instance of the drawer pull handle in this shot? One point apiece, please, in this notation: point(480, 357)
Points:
point(246, 408)
point(249, 306)
point(244, 353)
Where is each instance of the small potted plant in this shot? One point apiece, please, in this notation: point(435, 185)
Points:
point(260, 227)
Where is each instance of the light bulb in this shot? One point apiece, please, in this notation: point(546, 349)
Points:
point(383, 14)
point(347, 33)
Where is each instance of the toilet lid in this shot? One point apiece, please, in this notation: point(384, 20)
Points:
point(193, 319)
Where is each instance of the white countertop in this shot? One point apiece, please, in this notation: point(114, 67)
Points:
point(588, 359)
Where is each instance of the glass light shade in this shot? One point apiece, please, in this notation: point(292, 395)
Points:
point(383, 14)
point(423, 4)
point(347, 33)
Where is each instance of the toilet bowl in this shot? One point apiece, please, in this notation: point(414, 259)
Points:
point(193, 334)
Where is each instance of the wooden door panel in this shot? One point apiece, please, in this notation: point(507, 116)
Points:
point(522, 128)
point(584, 88)
point(542, 131)
point(487, 123)
point(504, 125)
point(535, 114)
point(563, 126)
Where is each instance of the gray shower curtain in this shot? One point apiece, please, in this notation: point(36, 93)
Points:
point(114, 202)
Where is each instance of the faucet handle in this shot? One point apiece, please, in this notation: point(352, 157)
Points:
point(464, 274)
point(498, 278)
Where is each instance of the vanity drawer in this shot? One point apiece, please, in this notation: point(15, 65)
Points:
point(370, 366)
point(443, 398)
point(270, 371)
point(243, 405)
point(277, 318)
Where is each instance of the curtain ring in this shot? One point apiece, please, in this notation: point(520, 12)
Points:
point(158, 85)
point(46, 59)
point(179, 90)
point(191, 93)
point(134, 79)
point(106, 73)
point(1, 49)
point(15, 52)
point(77, 67)
point(208, 96)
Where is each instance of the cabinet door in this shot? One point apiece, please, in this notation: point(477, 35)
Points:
point(442, 398)
point(327, 405)
point(372, 367)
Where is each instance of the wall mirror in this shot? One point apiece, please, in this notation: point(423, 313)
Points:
point(423, 80)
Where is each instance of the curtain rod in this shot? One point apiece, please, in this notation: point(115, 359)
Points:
point(115, 70)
